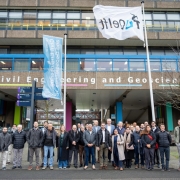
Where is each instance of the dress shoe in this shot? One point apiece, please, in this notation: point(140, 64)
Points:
point(101, 167)
point(30, 168)
point(105, 167)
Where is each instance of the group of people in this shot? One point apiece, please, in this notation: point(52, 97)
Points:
point(147, 144)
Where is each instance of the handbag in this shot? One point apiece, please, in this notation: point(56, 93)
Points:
point(151, 138)
point(129, 148)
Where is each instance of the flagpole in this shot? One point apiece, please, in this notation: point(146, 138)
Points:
point(148, 62)
point(64, 119)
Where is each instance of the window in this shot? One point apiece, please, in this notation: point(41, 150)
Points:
point(5, 64)
point(72, 64)
point(101, 51)
point(3, 14)
point(141, 51)
point(3, 51)
point(148, 16)
point(87, 15)
point(87, 64)
point(73, 51)
point(44, 15)
point(136, 65)
point(37, 64)
point(17, 51)
point(130, 51)
point(157, 52)
point(14, 15)
point(159, 16)
point(173, 16)
point(21, 64)
point(169, 65)
point(59, 15)
point(171, 52)
point(73, 15)
point(120, 65)
point(116, 51)
point(155, 65)
point(30, 14)
point(87, 51)
point(104, 65)
point(31, 51)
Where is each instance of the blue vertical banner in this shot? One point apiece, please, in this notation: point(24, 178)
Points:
point(52, 48)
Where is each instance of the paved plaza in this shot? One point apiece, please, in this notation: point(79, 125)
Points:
point(72, 173)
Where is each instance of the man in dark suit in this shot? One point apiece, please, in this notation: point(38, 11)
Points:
point(103, 144)
point(74, 137)
point(156, 129)
point(110, 127)
point(96, 128)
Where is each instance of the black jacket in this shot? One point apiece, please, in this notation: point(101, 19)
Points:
point(19, 139)
point(63, 153)
point(81, 142)
point(156, 130)
point(135, 136)
point(99, 138)
point(35, 138)
point(146, 140)
point(164, 139)
point(75, 138)
point(5, 141)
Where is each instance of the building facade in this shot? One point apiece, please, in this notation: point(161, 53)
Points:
point(108, 76)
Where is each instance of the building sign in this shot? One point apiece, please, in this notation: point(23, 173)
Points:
point(93, 80)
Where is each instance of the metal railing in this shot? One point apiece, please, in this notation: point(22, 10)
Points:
point(76, 27)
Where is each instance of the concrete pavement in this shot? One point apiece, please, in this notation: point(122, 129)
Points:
point(79, 173)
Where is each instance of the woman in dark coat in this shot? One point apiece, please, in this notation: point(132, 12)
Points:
point(148, 139)
point(129, 154)
point(63, 146)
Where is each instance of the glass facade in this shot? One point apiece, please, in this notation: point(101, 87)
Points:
point(122, 63)
point(76, 20)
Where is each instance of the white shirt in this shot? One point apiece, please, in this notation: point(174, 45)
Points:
point(109, 128)
point(96, 128)
point(154, 128)
point(103, 132)
point(90, 132)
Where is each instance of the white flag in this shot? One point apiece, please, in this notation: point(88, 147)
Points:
point(119, 22)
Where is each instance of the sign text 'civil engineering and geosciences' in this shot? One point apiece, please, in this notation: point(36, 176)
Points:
point(92, 80)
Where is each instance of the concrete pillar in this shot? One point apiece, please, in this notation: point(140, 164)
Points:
point(68, 116)
point(119, 112)
point(17, 115)
point(169, 117)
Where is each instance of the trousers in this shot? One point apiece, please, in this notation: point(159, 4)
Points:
point(3, 157)
point(31, 154)
point(17, 159)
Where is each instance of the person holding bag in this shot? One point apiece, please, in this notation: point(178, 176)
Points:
point(118, 150)
point(129, 150)
point(149, 141)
